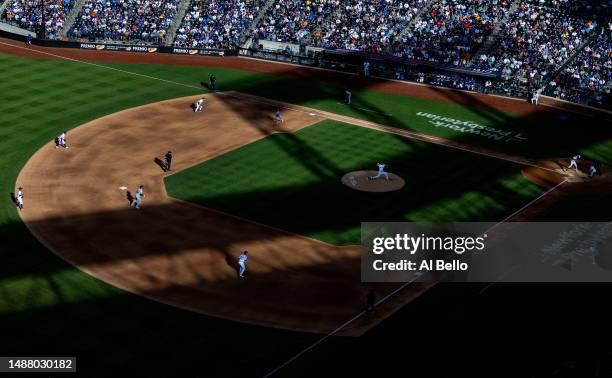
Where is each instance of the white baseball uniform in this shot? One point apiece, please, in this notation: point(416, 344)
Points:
point(381, 172)
point(20, 200)
point(138, 200)
point(574, 162)
point(61, 140)
point(199, 105)
point(242, 259)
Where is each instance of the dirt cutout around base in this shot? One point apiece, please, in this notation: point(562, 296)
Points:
point(360, 180)
point(549, 173)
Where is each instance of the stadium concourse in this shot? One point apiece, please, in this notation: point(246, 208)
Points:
point(557, 47)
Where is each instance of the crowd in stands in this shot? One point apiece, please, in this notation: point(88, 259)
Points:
point(534, 42)
point(297, 21)
point(558, 45)
point(450, 31)
point(364, 25)
point(124, 20)
point(216, 23)
point(588, 77)
point(27, 14)
point(369, 26)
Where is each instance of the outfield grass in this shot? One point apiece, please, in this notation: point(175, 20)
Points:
point(559, 135)
point(293, 182)
point(47, 305)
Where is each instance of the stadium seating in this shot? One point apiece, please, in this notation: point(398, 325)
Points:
point(124, 20)
point(533, 42)
point(27, 14)
point(450, 31)
point(296, 21)
point(216, 23)
point(369, 25)
point(529, 44)
point(588, 77)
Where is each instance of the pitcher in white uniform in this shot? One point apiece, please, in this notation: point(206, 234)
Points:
point(381, 172)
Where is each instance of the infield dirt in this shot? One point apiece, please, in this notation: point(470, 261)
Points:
point(177, 252)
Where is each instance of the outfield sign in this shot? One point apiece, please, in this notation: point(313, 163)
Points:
point(114, 47)
point(153, 49)
point(185, 51)
point(469, 127)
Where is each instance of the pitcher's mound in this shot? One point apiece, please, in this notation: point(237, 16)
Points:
point(358, 180)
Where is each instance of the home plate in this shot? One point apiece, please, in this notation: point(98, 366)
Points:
point(122, 187)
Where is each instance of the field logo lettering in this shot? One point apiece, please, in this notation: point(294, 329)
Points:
point(470, 127)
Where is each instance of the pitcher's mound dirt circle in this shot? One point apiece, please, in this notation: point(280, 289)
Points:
point(358, 180)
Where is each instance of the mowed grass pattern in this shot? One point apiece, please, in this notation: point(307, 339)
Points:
point(47, 302)
point(292, 181)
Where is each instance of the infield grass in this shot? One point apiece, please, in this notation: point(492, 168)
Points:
point(292, 182)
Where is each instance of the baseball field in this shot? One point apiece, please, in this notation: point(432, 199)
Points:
point(161, 280)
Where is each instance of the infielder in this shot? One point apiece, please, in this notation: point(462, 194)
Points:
point(278, 117)
point(381, 172)
point(138, 200)
point(61, 141)
point(19, 198)
point(592, 170)
point(242, 260)
point(347, 96)
point(574, 162)
point(199, 106)
point(168, 160)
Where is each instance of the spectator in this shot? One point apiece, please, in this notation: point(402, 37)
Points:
point(216, 23)
point(27, 14)
point(144, 21)
point(450, 31)
point(588, 77)
point(297, 21)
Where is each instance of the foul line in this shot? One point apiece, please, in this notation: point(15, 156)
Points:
point(527, 205)
point(510, 217)
point(101, 66)
point(417, 275)
point(374, 126)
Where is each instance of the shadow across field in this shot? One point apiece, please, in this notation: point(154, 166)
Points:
point(125, 333)
point(550, 132)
